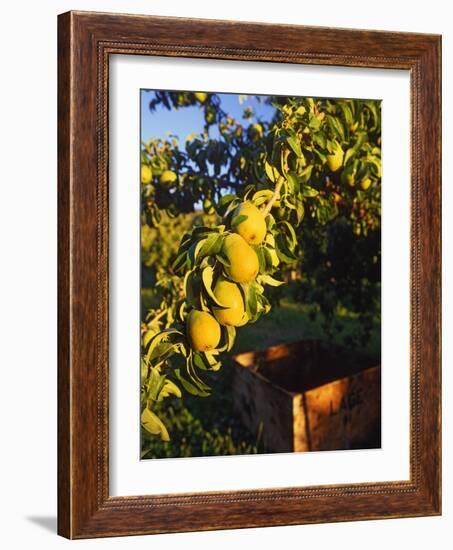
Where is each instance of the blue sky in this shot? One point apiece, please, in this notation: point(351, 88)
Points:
point(187, 120)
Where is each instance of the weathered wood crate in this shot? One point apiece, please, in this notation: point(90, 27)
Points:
point(309, 396)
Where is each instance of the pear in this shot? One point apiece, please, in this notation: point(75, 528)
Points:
point(335, 160)
point(168, 177)
point(365, 183)
point(146, 174)
point(228, 294)
point(201, 96)
point(203, 330)
point(253, 229)
point(242, 258)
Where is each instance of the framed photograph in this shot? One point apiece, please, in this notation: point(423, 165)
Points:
point(249, 275)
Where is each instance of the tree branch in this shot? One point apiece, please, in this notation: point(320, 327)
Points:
point(274, 197)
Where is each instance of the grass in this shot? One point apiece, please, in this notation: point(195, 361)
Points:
point(291, 321)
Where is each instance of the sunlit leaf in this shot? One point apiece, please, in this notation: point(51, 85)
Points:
point(159, 338)
point(208, 278)
point(154, 425)
point(295, 145)
point(268, 280)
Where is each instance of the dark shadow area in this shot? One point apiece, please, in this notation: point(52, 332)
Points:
point(49, 523)
point(304, 365)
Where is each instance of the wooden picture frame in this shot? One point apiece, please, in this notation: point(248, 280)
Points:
point(85, 42)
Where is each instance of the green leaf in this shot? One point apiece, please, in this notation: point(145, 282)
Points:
point(305, 175)
point(361, 138)
point(154, 383)
point(314, 123)
point(199, 362)
point(231, 331)
point(226, 199)
point(271, 172)
point(180, 262)
point(143, 371)
point(237, 220)
point(293, 183)
point(347, 113)
point(213, 362)
point(268, 280)
point(374, 111)
point(223, 260)
point(192, 288)
point(195, 379)
point(194, 251)
point(160, 352)
point(320, 139)
point(336, 126)
point(262, 196)
point(284, 254)
point(300, 211)
point(188, 386)
point(321, 156)
point(211, 246)
point(308, 191)
point(295, 145)
point(203, 231)
point(250, 301)
point(290, 234)
point(154, 425)
point(158, 338)
point(169, 388)
point(208, 277)
point(261, 259)
point(267, 259)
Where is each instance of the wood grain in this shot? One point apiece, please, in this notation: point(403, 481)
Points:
point(85, 41)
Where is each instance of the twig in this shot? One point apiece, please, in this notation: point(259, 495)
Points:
point(278, 185)
point(274, 197)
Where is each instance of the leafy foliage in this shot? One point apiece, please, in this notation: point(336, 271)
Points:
point(314, 174)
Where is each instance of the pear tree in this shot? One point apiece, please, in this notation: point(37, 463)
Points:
point(264, 194)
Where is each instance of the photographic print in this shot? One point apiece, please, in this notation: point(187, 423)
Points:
point(227, 287)
point(260, 231)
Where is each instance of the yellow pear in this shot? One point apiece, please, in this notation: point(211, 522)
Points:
point(253, 229)
point(203, 330)
point(365, 183)
point(168, 177)
point(201, 96)
point(243, 260)
point(229, 295)
point(335, 160)
point(146, 174)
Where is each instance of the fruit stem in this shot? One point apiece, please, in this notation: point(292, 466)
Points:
point(274, 197)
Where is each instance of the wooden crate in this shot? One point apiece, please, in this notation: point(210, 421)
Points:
point(309, 396)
